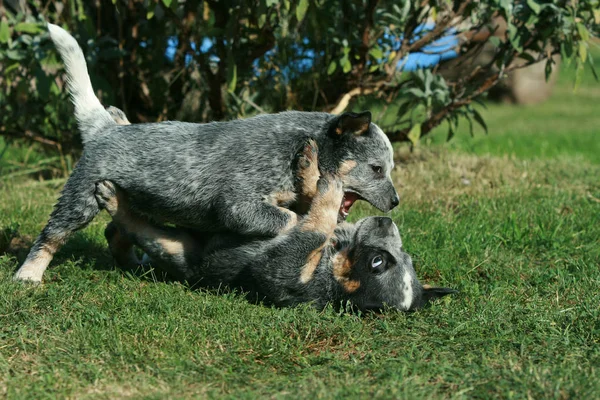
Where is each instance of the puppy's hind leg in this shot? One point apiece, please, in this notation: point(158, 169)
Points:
point(172, 250)
point(121, 247)
point(76, 207)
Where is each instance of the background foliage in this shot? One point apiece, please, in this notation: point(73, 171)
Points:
point(228, 59)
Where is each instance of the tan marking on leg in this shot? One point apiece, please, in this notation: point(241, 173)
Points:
point(342, 267)
point(323, 214)
point(292, 221)
point(346, 167)
point(313, 260)
point(33, 270)
point(427, 286)
point(308, 171)
point(285, 197)
point(172, 247)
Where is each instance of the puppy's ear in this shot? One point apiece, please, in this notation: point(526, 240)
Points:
point(352, 123)
point(430, 294)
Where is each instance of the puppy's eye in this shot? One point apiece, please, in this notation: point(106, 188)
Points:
point(376, 262)
point(377, 169)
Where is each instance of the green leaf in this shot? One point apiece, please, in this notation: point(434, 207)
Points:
point(450, 130)
point(11, 67)
point(495, 40)
point(479, 119)
point(514, 38)
point(4, 32)
point(527, 57)
point(405, 9)
point(376, 52)
point(583, 32)
point(15, 55)
point(346, 65)
point(416, 92)
point(271, 3)
point(592, 68)
point(261, 20)
point(583, 51)
point(232, 82)
point(150, 14)
point(415, 134)
point(167, 3)
point(332, 67)
point(548, 69)
point(301, 9)
point(27, 27)
point(535, 7)
point(404, 107)
point(597, 16)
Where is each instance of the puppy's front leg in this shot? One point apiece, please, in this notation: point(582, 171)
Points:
point(288, 262)
point(172, 250)
point(257, 218)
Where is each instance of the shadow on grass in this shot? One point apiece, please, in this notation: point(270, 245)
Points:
point(79, 247)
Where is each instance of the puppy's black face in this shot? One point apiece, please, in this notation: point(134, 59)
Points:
point(379, 273)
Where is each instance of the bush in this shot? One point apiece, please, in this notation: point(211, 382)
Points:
point(214, 60)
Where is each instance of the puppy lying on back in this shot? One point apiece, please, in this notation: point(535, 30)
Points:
point(233, 176)
point(317, 261)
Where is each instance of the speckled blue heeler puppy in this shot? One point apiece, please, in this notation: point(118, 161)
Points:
point(317, 261)
point(226, 176)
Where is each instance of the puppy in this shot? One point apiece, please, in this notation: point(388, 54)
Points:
point(317, 261)
point(234, 176)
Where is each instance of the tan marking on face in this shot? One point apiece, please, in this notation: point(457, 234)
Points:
point(312, 262)
point(346, 167)
point(342, 267)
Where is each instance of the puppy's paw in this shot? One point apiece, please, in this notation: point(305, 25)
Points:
point(308, 169)
point(309, 155)
point(331, 186)
point(107, 197)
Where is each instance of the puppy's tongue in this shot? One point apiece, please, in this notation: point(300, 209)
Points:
point(347, 202)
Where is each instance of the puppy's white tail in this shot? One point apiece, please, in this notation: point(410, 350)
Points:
point(90, 114)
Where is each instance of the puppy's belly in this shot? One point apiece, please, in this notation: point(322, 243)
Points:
point(199, 208)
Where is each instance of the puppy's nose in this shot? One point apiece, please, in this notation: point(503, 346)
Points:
point(384, 222)
point(395, 200)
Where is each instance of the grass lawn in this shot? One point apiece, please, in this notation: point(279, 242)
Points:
point(510, 219)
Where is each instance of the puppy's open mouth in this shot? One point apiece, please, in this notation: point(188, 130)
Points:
point(347, 202)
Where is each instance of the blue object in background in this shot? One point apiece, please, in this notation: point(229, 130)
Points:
point(434, 53)
point(431, 55)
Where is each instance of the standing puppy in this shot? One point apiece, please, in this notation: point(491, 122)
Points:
point(317, 261)
point(228, 176)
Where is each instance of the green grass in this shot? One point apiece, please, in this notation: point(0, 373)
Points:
point(566, 124)
point(514, 228)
